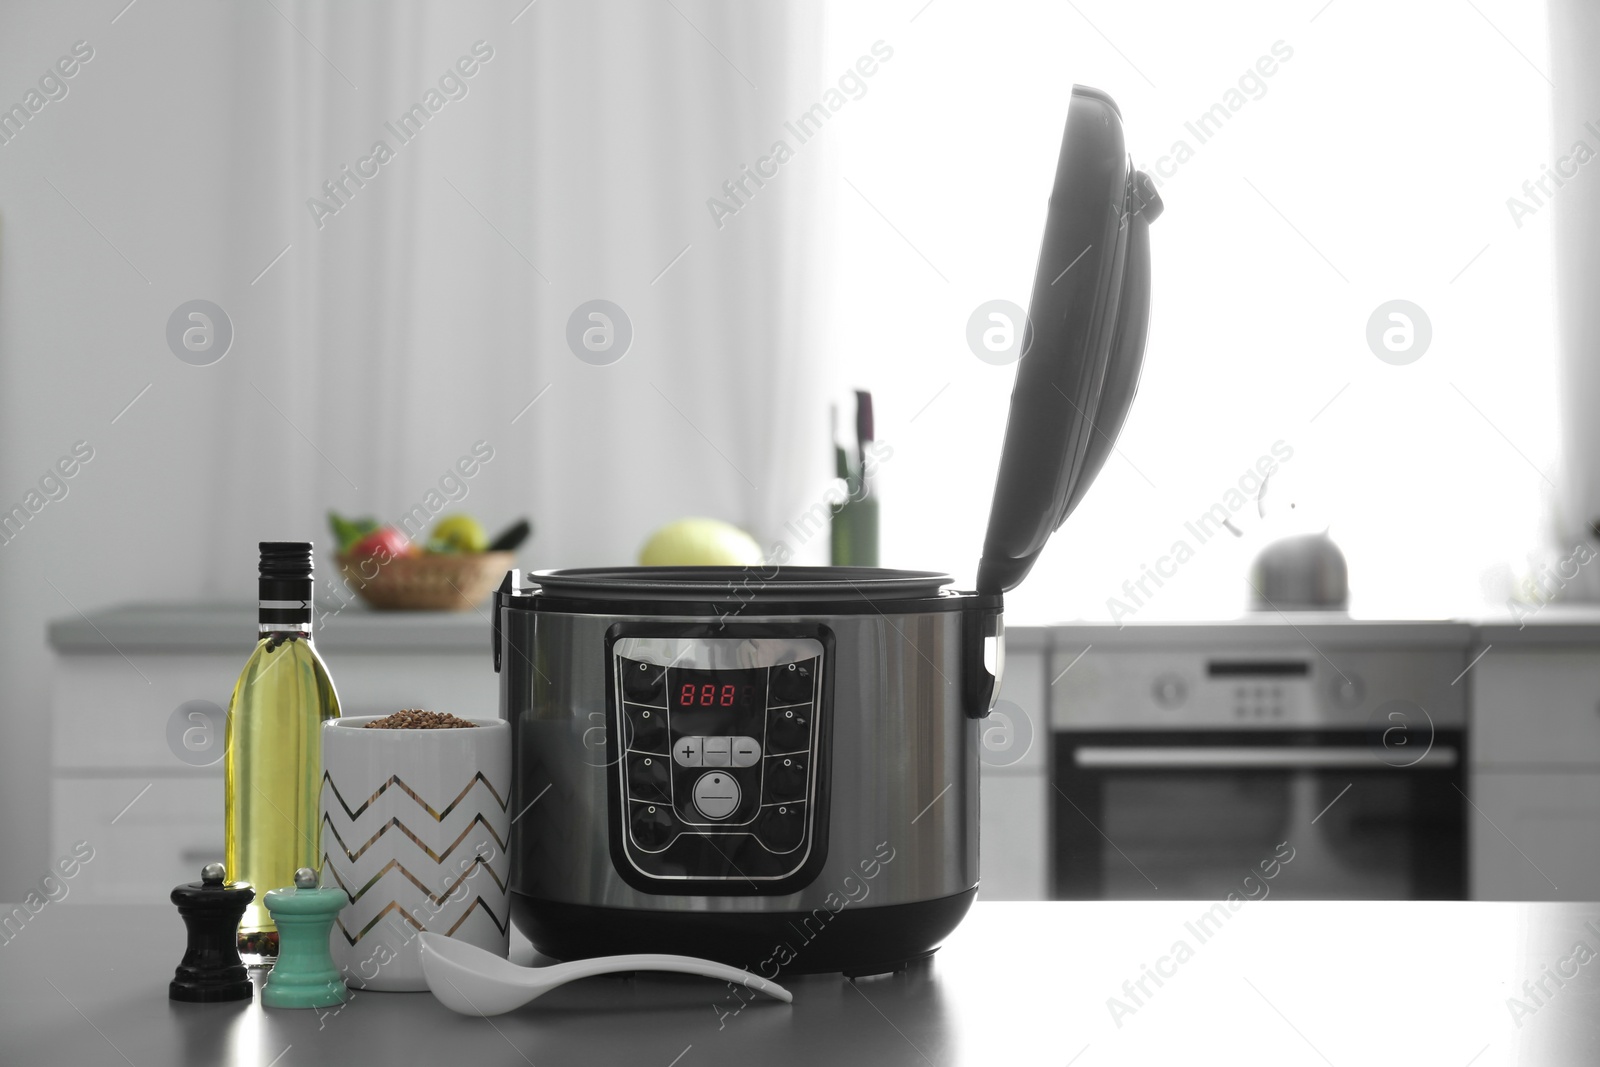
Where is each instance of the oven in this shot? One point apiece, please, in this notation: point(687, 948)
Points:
point(1289, 771)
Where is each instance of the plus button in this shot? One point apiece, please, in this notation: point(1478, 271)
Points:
point(688, 752)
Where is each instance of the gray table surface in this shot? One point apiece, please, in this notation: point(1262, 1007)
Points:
point(1274, 982)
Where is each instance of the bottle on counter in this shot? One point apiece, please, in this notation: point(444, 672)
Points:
point(274, 745)
point(854, 530)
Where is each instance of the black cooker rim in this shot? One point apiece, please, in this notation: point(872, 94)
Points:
point(777, 613)
point(756, 585)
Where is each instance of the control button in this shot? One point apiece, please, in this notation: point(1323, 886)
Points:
point(790, 683)
point(784, 779)
point(782, 827)
point(746, 751)
point(648, 778)
point(716, 751)
point(1170, 690)
point(1348, 692)
point(686, 752)
point(789, 729)
point(647, 729)
point(716, 795)
point(652, 825)
point(644, 683)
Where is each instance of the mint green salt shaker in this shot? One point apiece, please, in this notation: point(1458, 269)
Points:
point(304, 975)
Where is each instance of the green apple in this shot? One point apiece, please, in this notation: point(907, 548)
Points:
point(459, 533)
point(700, 543)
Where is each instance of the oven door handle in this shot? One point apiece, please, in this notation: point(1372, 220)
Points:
point(1126, 757)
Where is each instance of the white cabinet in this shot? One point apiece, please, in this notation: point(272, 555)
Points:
point(1535, 779)
point(1535, 836)
point(1014, 849)
point(154, 819)
point(1537, 707)
point(148, 833)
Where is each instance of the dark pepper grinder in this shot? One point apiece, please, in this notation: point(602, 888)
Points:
point(211, 970)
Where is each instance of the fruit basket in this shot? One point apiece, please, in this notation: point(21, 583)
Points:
point(426, 582)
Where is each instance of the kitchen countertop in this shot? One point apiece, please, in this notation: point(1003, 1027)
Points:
point(356, 628)
point(228, 627)
point(1314, 983)
point(1323, 628)
point(1553, 625)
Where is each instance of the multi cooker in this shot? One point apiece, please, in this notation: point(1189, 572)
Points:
point(777, 767)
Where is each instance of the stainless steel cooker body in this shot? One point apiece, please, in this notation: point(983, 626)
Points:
point(791, 790)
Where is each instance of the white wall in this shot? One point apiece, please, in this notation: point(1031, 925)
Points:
point(1574, 29)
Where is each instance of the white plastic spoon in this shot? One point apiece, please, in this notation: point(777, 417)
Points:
point(474, 981)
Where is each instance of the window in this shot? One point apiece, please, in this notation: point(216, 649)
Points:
point(1337, 159)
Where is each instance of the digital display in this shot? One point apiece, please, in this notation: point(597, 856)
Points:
point(712, 695)
point(742, 690)
point(1258, 669)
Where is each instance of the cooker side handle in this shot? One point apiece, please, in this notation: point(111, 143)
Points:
point(494, 622)
point(981, 624)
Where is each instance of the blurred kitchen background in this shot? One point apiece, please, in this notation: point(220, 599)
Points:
point(1336, 156)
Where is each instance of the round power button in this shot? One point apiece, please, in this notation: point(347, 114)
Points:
point(1348, 691)
point(1169, 690)
point(716, 795)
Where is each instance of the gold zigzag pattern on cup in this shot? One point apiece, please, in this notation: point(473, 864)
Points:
point(437, 857)
point(477, 902)
point(387, 908)
point(394, 779)
point(478, 861)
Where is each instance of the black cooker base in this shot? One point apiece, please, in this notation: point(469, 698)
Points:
point(855, 941)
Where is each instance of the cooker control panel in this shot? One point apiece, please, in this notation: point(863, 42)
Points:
point(717, 776)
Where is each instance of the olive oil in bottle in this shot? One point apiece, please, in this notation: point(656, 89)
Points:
point(274, 745)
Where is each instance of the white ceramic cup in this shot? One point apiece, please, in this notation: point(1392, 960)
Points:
point(414, 827)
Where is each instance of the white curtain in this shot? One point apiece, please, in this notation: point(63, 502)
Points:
point(425, 313)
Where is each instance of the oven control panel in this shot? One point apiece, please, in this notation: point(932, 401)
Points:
point(1290, 685)
point(717, 776)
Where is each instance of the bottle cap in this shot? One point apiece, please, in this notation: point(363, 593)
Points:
point(285, 587)
point(286, 560)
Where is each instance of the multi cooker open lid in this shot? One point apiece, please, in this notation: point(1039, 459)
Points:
point(1083, 343)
